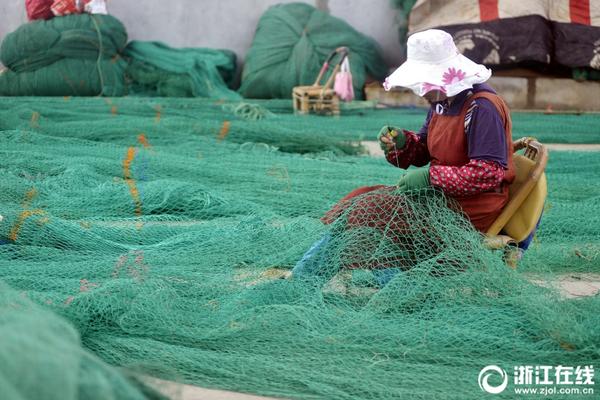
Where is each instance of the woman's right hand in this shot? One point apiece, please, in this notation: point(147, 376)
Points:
point(391, 138)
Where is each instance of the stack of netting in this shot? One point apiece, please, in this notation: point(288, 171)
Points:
point(74, 55)
point(41, 357)
point(80, 55)
point(305, 37)
point(156, 69)
point(161, 236)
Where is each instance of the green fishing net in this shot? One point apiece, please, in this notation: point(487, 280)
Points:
point(41, 357)
point(72, 55)
point(86, 55)
point(270, 122)
point(166, 238)
point(159, 70)
point(305, 37)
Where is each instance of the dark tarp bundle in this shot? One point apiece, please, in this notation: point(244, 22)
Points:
point(550, 36)
point(156, 69)
point(73, 55)
point(507, 42)
point(305, 36)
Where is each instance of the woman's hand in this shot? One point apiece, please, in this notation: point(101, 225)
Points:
point(391, 138)
point(414, 180)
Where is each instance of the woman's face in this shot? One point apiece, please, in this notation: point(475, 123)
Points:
point(434, 96)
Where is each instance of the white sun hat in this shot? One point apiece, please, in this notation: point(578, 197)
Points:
point(434, 63)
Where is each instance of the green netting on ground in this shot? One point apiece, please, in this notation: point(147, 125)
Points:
point(41, 357)
point(271, 122)
point(72, 55)
point(162, 240)
point(568, 237)
point(192, 118)
point(159, 70)
point(557, 128)
point(305, 37)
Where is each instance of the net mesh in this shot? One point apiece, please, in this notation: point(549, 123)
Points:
point(270, 122)
point(165, 238)
point(42, 357)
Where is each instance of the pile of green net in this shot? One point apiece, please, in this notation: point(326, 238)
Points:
point(162, 237)
point(42, 358)
point(73, 55)
point(305, 37)
point(88, 55)
point(156, 69)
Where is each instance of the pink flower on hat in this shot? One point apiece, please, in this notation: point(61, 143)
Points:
point(432, 57)
point(452, 76)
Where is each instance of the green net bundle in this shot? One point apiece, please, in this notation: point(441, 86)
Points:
point(159, 70)
point(73, 55)
point(41, 357)
point(80, 55)
point(164, 244)
point(305, 37)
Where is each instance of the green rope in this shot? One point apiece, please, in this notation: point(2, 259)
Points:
point(249, 111)
point(99, 60)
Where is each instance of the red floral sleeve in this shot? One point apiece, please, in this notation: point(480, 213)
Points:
point(414, 152)
point(475, 177)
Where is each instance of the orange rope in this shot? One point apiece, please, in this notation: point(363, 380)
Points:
point(144, 141)
point(135, 194)
point(14, 232)
point(224, 130)
point(29, 196)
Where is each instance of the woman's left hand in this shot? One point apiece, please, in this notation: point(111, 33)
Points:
point(414, 180)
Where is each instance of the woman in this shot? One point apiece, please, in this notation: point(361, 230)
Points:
point(466, 140)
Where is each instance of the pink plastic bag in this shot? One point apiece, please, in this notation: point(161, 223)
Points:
point(343, 82)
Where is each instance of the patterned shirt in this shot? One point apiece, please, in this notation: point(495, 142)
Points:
point(486, 148)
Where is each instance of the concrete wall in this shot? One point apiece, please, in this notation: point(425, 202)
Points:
point(226, 24)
